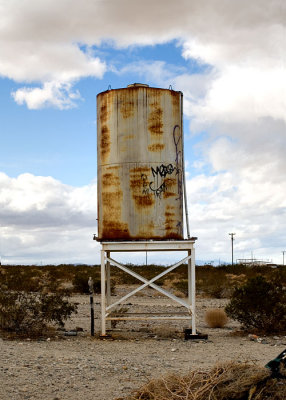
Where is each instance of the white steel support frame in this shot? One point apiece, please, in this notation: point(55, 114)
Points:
point(106, 261)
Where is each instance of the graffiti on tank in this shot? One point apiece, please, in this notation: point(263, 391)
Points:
point(164, 170)
point(158, 185)
point(145, 184)
point(161, 172)
point(159, 190)
point(178, 160)
point(148, 187)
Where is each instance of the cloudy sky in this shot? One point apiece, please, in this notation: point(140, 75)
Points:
point(229, 60)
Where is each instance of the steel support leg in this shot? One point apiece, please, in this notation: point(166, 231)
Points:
point(190, 300)
point(108, 288)
point(103, 304)
point(193, 281)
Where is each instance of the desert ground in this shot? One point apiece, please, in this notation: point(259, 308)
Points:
point(84, 367)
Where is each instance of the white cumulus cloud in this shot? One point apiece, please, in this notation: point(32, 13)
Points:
point(57, 94)
point(45, 220)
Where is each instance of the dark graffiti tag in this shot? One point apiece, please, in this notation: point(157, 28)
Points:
point(148, 187)
point(177, 138)
point(157, 192)
point(145, 184)
point(158, 185)
point(164, 170)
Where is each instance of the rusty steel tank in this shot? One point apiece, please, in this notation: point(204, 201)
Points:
point(140, 164)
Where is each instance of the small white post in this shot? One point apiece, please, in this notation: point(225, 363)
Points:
point(103, 306)
point(193, 281)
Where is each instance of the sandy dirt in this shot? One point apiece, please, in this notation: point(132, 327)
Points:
point(82, 367)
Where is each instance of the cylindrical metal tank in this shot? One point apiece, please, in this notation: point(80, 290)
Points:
point(139, 150)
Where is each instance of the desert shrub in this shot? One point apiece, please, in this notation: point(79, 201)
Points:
point(237, 381)
point(259, 305)
point(211, 287)
point(22, 278)
point(216, 318)
point(181, 285)
point(213, 282)
point(31, 313)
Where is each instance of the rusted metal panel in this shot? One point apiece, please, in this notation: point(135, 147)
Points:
point(140, 194)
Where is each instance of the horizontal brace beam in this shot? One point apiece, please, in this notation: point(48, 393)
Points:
point(148, 313)
point(145, 318)
point(172, 245)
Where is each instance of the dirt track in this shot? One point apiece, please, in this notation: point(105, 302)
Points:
point(87, 368)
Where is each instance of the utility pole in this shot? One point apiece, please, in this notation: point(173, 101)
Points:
point(232, 239)
point(283, 251)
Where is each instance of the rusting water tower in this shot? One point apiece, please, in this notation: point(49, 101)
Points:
point(140, 192)
point(141, 182)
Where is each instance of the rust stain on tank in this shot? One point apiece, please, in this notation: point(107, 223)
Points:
point(126, 105)
point(105, 107)
point(113, 167)
point(167, 195)
point(112, 226)
point(139, 170)
point(146, 231)
point(115, 230)
point(169, 222)
point(128, 137)
point(170, 225)
point(103, 113)
point(156, 147)
point(143, 201)
point(176, 102)
point(173, 235)
point(175, 97)
point(155, 123)
point(110, 180)
point(104, 142)
point(112, 200)
point(135, 183)
point(170, 182)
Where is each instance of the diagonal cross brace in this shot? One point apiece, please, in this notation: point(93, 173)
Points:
point(149, 283)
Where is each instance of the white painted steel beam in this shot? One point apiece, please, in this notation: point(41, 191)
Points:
point(193, 294)
point(174, 245)
point(146, 318)
point(149, 283)
point(154, 245)
point(103, 300)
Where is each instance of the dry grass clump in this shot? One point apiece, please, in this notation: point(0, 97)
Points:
point(216, 318)
point(223, 382)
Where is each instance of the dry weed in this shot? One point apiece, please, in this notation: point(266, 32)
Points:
point(223, 382)
point(216, 318)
